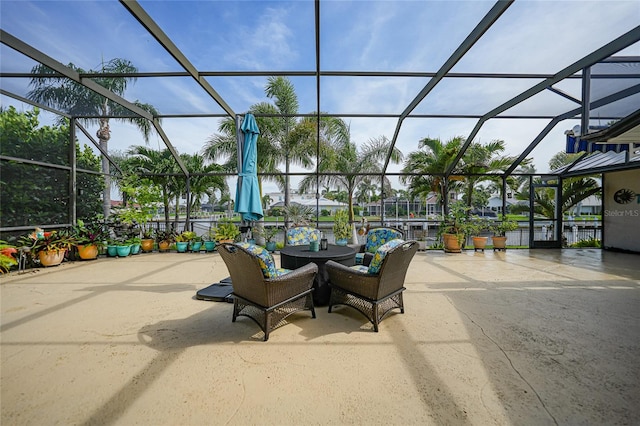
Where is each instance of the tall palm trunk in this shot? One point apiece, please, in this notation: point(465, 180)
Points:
point(104, 134)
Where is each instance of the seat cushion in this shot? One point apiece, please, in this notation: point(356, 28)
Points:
point(360, 268)
point(381, 253)
point(379, 236)
point(301, 235)
point(267, 264)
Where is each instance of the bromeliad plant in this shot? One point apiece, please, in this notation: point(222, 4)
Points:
point(39, 240)
point(7, 259)
point(94, 232)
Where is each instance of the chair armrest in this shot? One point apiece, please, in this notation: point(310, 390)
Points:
point(291, 284)
point(352, 280)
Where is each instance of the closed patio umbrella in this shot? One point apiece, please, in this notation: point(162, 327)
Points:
point(248, 202)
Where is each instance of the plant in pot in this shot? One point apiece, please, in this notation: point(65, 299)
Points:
point(209, 241)
point(298, 214)
point(164, 238)
point(135, 242)
point(268, 233)
point(147, 241)
point(89, 238)
point(48, 247)
point(7, 259)
point(341, 228)
point(500, 230)
point(182, 241)
point(226, 232)
point(477, 226)
point(455, 228)
point(123, 246)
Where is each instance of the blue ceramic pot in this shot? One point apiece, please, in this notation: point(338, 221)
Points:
point(123, 251)
point(112, 251)
point(182, 246)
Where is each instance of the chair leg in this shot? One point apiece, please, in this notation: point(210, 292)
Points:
point(376, 320)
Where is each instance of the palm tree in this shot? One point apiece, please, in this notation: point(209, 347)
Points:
point(282, 139)
point(574, 190)
point(200, 183)
point(61, 93)
point(144, 160)
point(350, 164)
point(480, 160)
point(427, 167)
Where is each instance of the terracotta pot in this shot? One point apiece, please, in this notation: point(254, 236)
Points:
point(479, 243)
point(88, 251)
point(164, 245)
point(51, 258)
point(499, 243)
point(147, 245)
point(451, 244)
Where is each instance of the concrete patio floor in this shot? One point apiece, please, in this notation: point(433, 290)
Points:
point(523, 337)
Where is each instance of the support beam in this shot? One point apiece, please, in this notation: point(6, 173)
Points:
point(622, 42)
point(569, 114)
point(150, 25)
point(97, 145)
point(483, 26)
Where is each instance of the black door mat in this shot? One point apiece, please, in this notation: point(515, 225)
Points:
point(218, 292)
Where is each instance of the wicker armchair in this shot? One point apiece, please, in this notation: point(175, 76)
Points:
point(375, 238)
point(261, 291)
point(377, 289)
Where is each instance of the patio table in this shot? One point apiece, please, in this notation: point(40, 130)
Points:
point(293, 257)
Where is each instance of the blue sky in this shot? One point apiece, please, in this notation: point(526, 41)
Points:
point(530, 37)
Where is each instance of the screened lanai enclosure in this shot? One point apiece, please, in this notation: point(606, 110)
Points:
point(385, 101)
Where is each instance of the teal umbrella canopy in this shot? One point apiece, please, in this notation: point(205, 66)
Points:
point(248, 202)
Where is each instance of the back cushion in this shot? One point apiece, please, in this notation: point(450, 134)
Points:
point(378, 258)
point(379, 236)
point(267, 264)
point(302, 235)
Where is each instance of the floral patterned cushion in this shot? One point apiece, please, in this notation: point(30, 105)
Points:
point(379, 236)
point(378, 258)
point(302, 235)
point(267, 264)
point(359, 258)
point(360, 268)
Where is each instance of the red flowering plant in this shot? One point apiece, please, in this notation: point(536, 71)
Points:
point(7, 259)
point(39, 240)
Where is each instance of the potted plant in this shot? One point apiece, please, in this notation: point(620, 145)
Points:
point(182, 241)
point(299, 214)
point(164, 238)
point(209, 241)
point(135, 242)
point(123, 246)
point(89, 238)
point(341, 228)
point(476, 226)
point(7, 259)
point(226, 232)
point(500, 230)
point(268, 233)
point(455, 228)
point(147, 241)
point(49, 247)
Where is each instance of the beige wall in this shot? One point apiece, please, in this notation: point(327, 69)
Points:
point(621, 216)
